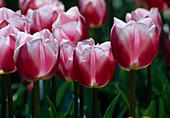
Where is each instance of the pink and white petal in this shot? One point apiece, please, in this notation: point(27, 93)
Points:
point(81, 70)
point(25, 64)
point(104, 71)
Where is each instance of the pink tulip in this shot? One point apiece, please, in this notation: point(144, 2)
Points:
point(43, 17)
point(161, 4)
point(24, 5)
point(134, 44)
point(7, 46)
point(70, 25)
point(140, 13)
point(65, 67)
point(93, 65)
point(2, 3)
point(36, 57)
point(94, 11)
point(16, 19)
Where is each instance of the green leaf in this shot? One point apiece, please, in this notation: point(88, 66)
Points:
point(121, 114)
point(162, 112)
point(123, 96)
point(166, 96)
point(110, 109)
point(54, 112)
point(151, 110)
point(69, 111)
point(61, 92)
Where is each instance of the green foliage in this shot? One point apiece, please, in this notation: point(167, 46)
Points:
point(110, 109)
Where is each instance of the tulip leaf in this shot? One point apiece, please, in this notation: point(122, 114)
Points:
point(151, 110)
point(61, 92)
point(54, 112)
point(69, 111)
point(166, 96)
point(123, 96)
point(121, 114)
point(110, 109)
point(162, 112)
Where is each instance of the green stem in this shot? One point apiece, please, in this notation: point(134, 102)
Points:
point(75, 99)
point(132, 88)
point(35, 99)
point(54, 90)
point(149, 83)
point(96, 35)
point(9, 91)
point(95, 101)
point(81, 101)
point(3, 106)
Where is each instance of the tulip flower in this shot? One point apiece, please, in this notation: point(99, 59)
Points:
point(36, 57)
point(43, 17)
point(2, 3)
point(24, 5)
point(140, 13)
point(65, 67)
point(7, 46)
point(16, 19)
point(70, 25)
point(94, 11)
point(161, 4)
point(94, 65)
point(134, 44)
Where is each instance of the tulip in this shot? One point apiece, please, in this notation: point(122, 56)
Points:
point(47, 12)
point(36, 57)
point(2, 3)
point(140, 13)
point(16, 19)
point(161, 4)
point(65, 67)
point(137, 41)
point(7, 46)
point(24, 5)
point(94, 11)
point(94, 65)
point(70, 25)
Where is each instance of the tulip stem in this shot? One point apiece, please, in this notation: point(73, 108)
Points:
point(54, 90)
point(81, 101)
point(9, 91)
point(3, 106)
point(96, 35)
point(149, 83)
point(132, 88)
point(95, 101)
point(75, 99)
point(35, 99)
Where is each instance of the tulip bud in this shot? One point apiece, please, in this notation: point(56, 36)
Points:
point(36, 57)
point(70, 25)
point(16, 19)
point(94, 11)
point(7, 46)
point(2, 3)
point(24, 5)
point(140, 13)
point(161, 4)
point(134, 44)
point(93, 65)
point(43, 17)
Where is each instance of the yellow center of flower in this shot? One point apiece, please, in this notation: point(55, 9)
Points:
point(68, 79)
point(134, 67)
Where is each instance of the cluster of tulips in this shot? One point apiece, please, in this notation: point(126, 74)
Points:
point(42, 39)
